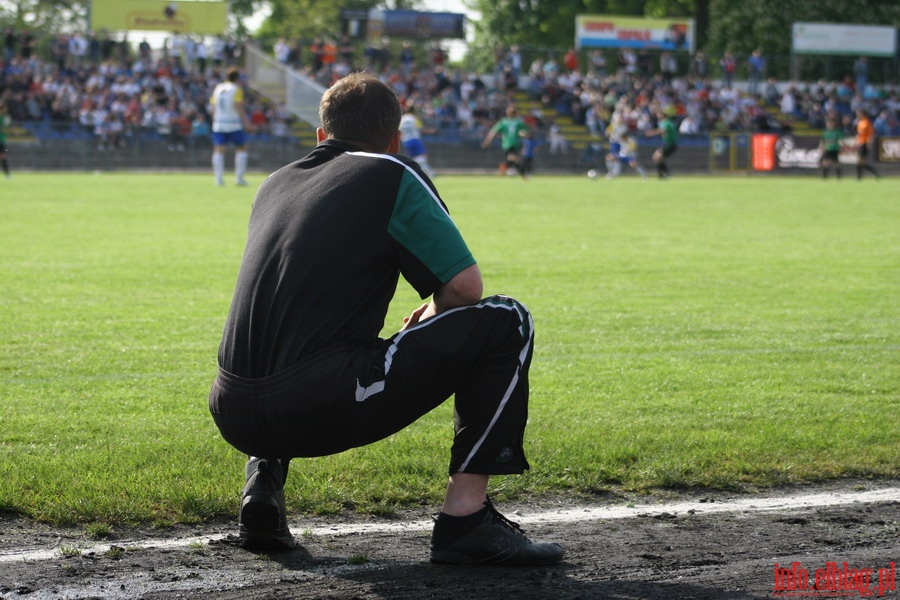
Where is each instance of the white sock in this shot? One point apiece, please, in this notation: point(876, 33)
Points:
point(240, 164)
point(423, 162)
point(218, 165)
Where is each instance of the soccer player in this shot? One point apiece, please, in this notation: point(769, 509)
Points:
point(529, 149)
point(666, 128)
point(229, 126)
point(865, 137)
point(411, 138)
point(302, 369)
point(512, 130)
point(4, 126)
point(614, 132)
point(627, 156)
point(831, 148)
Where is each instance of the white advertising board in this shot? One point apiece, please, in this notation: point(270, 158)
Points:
point(856, 40)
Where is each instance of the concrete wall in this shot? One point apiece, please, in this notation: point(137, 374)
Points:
point(83, 155)
point(464, 157)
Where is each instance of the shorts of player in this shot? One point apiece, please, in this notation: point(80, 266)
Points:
point(862, 151)
point(512, 157)
point(512, 153)
point(830, 155)
point(615, 148)
point(668, 150)
point(527, 164)
point(224, 138)
point(414, 147)
point(352, 395)
point(625, 159)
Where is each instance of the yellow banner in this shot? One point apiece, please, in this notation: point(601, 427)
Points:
point(159, 15)
point(613, 31)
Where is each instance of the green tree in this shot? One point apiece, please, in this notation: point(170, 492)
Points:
point(767, 24)
point(44, 15)
point(302, 19)
point(240, 10)
point(551, 23)
point(306, 19)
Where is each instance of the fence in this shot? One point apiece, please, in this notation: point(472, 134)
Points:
point(732, 154)
point(297, 93)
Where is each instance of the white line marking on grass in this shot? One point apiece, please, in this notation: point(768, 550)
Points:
point(598, 513)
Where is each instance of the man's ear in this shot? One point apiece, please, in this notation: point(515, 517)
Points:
point(320, 135)
point(394, 146)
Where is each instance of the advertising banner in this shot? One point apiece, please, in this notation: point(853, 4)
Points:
point(764, 151)
point(889, 149)
point(416, 24)
point(772, 151)
point(851, 40)
point(610, 31)
point(205, 18)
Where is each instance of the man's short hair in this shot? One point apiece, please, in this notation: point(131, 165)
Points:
point(362, 110)
point(232, 74)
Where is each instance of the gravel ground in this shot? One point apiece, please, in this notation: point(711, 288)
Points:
point(663, 546)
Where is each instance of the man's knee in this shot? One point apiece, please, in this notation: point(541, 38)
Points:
point(519, 313)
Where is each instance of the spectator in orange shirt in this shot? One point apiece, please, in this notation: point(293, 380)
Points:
point(329, 54)
point(182, 127)
point(259, 118)
point(865, 136)
point(317, 49)
point(570, 60)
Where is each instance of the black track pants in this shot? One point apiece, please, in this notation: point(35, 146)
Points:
point(349, 396)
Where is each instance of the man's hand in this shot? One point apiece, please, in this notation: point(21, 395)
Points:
point(464, 288)
point(414, 317)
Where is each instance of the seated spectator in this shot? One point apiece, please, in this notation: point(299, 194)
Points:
point(557, 141)
point(282, 51)
point(34, 108)
point(115, 132)
point(181, 131)
point(788, 103)
point(689, 126)
point(771, 92)
point(201, 131)
point(281, 131)
point(259, 119)
point(885, 124)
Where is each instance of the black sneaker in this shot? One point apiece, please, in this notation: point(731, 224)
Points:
point(263, 519)
point(494, 541)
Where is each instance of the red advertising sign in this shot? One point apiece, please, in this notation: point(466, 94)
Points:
point(763, 146)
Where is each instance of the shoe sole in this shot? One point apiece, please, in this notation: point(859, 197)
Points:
point(267, 539)
point(259, 512)
point(455, 558)
point(259, 525)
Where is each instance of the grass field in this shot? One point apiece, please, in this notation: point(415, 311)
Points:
point(720, 332)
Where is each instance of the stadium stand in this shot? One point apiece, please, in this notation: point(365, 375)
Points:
point(117, 98)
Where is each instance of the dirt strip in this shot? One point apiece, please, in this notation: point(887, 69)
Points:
point(780, 543)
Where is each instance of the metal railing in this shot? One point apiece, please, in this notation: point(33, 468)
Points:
point(299, 94)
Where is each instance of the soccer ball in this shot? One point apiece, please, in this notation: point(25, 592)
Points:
point(593, 173)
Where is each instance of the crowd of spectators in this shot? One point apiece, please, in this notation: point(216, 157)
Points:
point(631, 89)
point(592, 88)
point(115, 91)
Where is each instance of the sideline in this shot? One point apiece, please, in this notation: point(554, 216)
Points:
point(744, 505)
